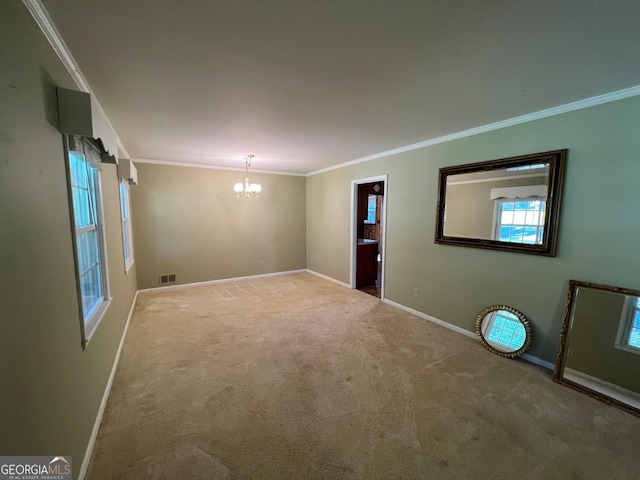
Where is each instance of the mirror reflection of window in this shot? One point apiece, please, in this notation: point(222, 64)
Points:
point(469, 216)
point(507, 205)
point(634, 333)
point(371, 209)
point(520, 220)
point(597, 354)
point(505, 329)
point(629, 330)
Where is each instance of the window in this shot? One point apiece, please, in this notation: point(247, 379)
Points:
point(629, 332)
point(372, 205)
point(520, 220)
point(84, 182)
point(125, 213)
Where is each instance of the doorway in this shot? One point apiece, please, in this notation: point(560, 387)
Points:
point(368, 215)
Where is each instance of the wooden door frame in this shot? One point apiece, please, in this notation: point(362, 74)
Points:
point(354, 227)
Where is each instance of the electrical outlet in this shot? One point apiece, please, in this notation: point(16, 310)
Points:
point(416, 292)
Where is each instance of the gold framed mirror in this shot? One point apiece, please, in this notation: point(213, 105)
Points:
point(504, 331)
point(510, 204)
point(599, 352)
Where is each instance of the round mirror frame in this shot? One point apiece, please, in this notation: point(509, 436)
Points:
point(513, 311)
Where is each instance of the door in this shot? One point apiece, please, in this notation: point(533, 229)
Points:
point(368, 232)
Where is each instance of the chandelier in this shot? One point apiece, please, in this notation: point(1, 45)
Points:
point(246, 189)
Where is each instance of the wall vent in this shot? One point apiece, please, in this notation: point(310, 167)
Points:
point(167, 278)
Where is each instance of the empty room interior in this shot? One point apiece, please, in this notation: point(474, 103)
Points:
point(322, 240)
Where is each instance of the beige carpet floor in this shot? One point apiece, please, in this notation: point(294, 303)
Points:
point(294, 377)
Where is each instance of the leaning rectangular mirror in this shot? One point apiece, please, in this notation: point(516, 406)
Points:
point(511, 204)
point(599, 350)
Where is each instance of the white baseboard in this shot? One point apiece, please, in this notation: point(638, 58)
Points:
point(431, 319)
point(96, 426)
point(213, 282)
point(328, 278)
point(105, 397)
point(526, 356)
point(538, 361)
point(609, 389)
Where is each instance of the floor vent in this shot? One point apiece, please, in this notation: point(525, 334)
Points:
point(167, 278)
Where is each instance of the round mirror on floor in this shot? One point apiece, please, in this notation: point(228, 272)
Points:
point(504, 331)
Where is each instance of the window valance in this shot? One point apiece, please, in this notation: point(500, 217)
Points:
point(519, 192)
point(80, 114)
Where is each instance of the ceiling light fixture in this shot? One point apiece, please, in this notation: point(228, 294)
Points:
point(247, 190)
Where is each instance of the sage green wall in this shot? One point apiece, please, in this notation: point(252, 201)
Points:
point(51, 387)
point(598, 234)
point(591, 346)
point(188, 221)
point(470, 209)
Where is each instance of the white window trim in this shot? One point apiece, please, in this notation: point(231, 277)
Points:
point(496, 215)
point(103, 231)
point(376, 211)
point(90, 325)
point(128, 262)
point(624, 328)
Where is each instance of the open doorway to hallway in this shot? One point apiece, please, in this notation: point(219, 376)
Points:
point(368, 218)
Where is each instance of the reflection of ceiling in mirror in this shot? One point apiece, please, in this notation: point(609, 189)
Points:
point(499, 174)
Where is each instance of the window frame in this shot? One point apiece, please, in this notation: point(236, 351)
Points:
point(127, 230)
point(91, 154)
point(629, 311)
point(519, 331)
point(499, 202)
point(375, 209)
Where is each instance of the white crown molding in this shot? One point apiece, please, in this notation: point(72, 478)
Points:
point(43, 20)
point(213, 167)
point(530, 117)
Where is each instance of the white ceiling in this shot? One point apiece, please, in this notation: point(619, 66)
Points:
point(305, 85)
